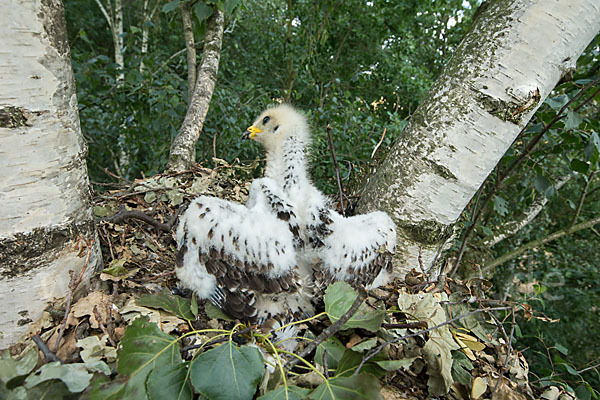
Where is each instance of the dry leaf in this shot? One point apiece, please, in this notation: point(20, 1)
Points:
point(479, 388)
point(85, 306)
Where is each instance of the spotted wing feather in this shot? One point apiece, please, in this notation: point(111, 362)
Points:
point(232, 254)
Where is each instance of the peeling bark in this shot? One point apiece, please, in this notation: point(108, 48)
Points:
point(510, 228)
point(183, 149)
point(44, 184)
point(514, 55)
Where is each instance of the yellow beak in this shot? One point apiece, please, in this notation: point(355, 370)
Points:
point(251, 132)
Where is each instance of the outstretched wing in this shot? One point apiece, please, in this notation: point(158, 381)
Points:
point(266, 195)
point(232, 254)
point(357, 249)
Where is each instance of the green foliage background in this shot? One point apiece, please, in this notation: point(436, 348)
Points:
point(361, 66)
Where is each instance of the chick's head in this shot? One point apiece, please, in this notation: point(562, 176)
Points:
point(276, 124)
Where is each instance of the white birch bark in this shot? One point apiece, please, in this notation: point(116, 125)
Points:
point(43, 184)
point(190, 47)
point(145, 32)
point(514, 55)
point(183, 149)
point(510, 228)
point(115, 24)
point(118, 38)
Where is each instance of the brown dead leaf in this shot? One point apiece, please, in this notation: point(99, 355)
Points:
point(354, 339)
point(527, 311)
point(68, 347)
point(504, 392)
point(85, 307)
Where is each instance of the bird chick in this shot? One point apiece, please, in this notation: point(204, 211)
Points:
point(356, 249)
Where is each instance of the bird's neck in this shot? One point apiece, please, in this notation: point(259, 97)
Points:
point(287, 163)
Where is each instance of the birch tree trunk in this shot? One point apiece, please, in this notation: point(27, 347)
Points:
point(43, 184)
point(115, 24)
point(145, 30)
point(183, 149)
point(514, 55)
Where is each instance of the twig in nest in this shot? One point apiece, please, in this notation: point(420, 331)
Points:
point(331, 330)
point(215, 145)
point(116, 176)
point(510, 339)
point(216, 341)
point(124, 214)
point(375, 351)
point(102, 327)
point(74, 283)
point(379, 143)
point(50, 356)
point(406, 325)
point(337, 169)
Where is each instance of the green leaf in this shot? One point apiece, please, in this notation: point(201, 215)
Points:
point(194, 305)
point(170, 6)
point(362, 386)
point(116, 267)
point(583, 392)
point(579, 166)
point(339, 298)
point(351, 360)
point(557, 102)
point(461, 368)
point(364, 345)
point(75, 376)
point(143, 348)
point(227, 372)
point(500, 205)
point(169, 382)
point(561, 348)
point(230, 5)
point(573, 120)
point(293, 393)
point(214, 312)
point(11, 368)
point(592, 148)
point(202, 10)
point(335, 349)
point(544, 186)
point(486, 231)
point(393, 365)
point(49, 390)
point(169, 302)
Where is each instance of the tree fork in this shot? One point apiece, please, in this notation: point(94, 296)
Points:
point(183, 149)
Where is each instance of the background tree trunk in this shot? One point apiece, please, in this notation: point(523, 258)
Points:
point(190, 47)
point(514, 55)
point(43, 184)
point(183, 149)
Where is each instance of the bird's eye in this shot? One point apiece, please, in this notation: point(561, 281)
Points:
point(265, 120)
point(275, 130)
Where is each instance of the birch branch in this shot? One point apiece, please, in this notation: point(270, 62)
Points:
point(188, 33)
point(535, 243)
point(590, 178)
point(145, 29)
point(510, 228)
point(183, 149)
point(106, 16)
